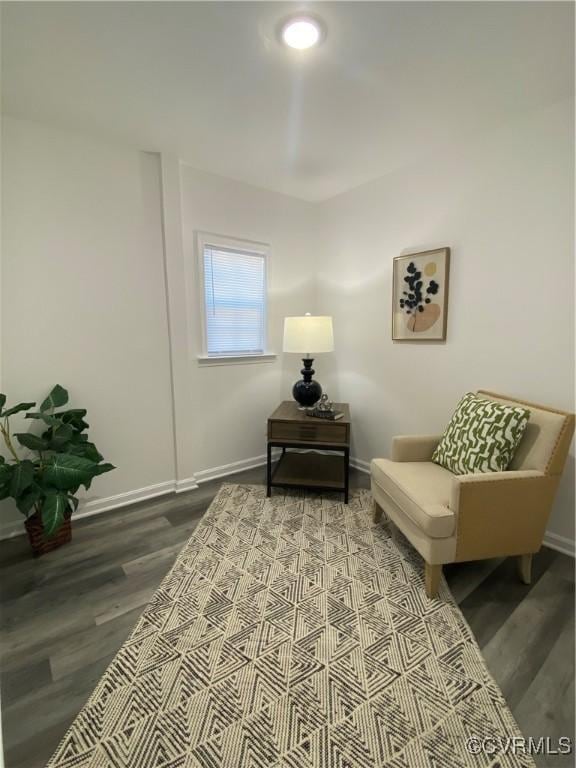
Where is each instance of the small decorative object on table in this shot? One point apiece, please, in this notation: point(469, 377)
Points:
point(325, 410)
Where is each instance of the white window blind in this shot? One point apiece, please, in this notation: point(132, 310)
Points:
point(234, 301)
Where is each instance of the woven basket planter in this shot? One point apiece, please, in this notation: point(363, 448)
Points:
point(42, 544)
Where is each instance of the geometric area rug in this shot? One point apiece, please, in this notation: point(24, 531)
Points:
point(293, 632)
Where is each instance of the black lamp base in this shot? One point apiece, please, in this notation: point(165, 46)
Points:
point(307, 392)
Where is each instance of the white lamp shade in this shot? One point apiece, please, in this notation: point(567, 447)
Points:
point(308, 334)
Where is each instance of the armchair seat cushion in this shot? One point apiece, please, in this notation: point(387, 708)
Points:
point(421, 489)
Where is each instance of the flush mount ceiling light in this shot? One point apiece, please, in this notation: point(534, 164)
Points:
point(301, 32)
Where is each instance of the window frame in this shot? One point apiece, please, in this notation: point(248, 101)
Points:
point(204, 239)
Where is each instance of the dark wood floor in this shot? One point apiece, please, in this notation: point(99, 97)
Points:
point(63, 618)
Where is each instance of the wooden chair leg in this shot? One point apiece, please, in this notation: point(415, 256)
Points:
point(377, 512)
point(432, 575)
point(525, 568)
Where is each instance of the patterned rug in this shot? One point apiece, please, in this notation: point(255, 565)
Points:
point(292, 632)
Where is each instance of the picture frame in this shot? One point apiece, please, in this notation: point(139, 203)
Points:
point(420, 283)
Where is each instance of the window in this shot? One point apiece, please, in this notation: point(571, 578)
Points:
point(234, 286)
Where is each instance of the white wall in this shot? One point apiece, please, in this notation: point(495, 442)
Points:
point(84, 293)
point(83, 298)
point(86, 227)
point(232, 402)
point(505, 207)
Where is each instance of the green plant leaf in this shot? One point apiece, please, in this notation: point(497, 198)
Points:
point(17, 409)
point(46, 418)
point(92, 453)
point(2, 402)
point(60, 436)
point(5, 472)
point(22, 476)
point(28, 499)
point(57, 398)
point(72, 413)
point(74, 417)
point(78, 438)
point(85, 449)
point(53, 510)
point(67, 472)
point(74, 501)
point(5, 478)
point(33, 442)
point(102, 468)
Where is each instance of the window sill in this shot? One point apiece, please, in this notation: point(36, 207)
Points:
point(206, 360)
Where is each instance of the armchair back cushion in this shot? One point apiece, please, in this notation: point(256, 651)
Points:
point(482, 436)
point(546, 439)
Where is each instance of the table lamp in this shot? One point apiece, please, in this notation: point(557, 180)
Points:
point(308, 335)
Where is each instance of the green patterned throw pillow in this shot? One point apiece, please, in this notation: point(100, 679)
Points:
point(482, 436)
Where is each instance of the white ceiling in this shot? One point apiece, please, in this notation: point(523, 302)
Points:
point(210, 81)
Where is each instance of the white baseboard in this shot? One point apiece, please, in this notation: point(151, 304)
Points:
point(231, 469)
point(559, 543)
point(97, 506)
point(108, 503)
point(10, 530)
point(362, 466)
point(188, 484)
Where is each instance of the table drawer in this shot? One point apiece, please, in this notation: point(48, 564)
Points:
point(314, 432)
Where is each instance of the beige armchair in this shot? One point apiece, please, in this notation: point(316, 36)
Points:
point(452, 518)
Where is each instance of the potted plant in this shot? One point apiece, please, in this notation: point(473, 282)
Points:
point(45, 484)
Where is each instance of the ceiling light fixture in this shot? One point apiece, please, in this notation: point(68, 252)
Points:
point(301, 32)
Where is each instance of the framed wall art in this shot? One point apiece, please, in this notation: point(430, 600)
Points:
point(420, 296)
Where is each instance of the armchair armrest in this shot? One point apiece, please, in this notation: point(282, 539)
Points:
point(414, 447)
point(501, 513)
point(498, 487)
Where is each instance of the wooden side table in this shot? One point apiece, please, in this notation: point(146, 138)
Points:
point(289, 427)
